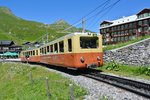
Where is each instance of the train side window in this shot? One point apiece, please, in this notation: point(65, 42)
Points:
point(61, 46)
point(69, 45)
point(29, 53)
point(36, 52)
point(33, 52)
point(47, 48)
point(42, 50)
point(51, 48)
point(56, 48)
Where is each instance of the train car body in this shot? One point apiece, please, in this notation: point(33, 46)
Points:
point(76, 50)
point(30, 55)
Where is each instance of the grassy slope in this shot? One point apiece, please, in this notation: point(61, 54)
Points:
point(114, 46)
point(20, 30)
point(16, 85)
point(126, 70)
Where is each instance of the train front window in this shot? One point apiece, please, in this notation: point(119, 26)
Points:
point(88, 42)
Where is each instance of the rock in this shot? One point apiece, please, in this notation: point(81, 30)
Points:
point(137, 54)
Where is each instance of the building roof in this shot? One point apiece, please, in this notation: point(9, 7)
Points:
point(124, 20)
point(6, 42)
point(14, 46)
point(143, 11)
point(26, 43)
point(106, 21)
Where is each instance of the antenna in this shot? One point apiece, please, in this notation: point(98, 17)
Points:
point(83, 25)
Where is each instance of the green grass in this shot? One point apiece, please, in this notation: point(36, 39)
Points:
point(114, 46)
point(126, 70)
point(15, 84)
point(20, 30)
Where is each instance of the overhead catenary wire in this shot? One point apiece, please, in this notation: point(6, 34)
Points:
point(104, 9)
point(79, 21)
point(96, 15)
point(107, 10)
point(88, 17)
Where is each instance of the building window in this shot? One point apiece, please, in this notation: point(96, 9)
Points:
point(118, 27)
point(131, 31)
point(122, 27)
point(145, 22)
point(146, 15)
point(140, 23)
point(122, 32)
point(145, 28)
point(130, 25)
point(134, 25)
point(101, 31)
point(122, 38)
point(126, 26)
point(107, 30)
point(126, 38)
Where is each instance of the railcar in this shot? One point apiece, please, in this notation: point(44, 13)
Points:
point(30, 55)
point(75, 51)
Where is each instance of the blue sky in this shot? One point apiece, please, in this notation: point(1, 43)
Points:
point(49, 11)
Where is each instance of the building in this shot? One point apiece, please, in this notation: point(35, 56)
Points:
point(126, 28)
point(9, 46)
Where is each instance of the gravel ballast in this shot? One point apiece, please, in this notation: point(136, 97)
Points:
point(99, 90)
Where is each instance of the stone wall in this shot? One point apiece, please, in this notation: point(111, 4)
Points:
point(135, 54)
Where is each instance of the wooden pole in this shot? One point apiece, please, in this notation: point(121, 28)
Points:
point(47, 88)
point(71, 92)
point(83, 25)
point(31, 79)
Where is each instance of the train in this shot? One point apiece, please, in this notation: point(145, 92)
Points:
point(75, 51)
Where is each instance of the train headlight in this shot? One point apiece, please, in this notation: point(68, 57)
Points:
point(98, 58)
point(82, 59)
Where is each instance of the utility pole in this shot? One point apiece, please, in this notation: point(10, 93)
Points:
point(47, 33)
point(83, 25)
point(47, 38)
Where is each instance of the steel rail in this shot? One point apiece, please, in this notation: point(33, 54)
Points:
point(139, 88)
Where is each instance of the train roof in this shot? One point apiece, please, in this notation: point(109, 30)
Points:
point(70, 35)
point(61, 38)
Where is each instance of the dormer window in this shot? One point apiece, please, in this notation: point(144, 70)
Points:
point(105, 23)
point(144, 13)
